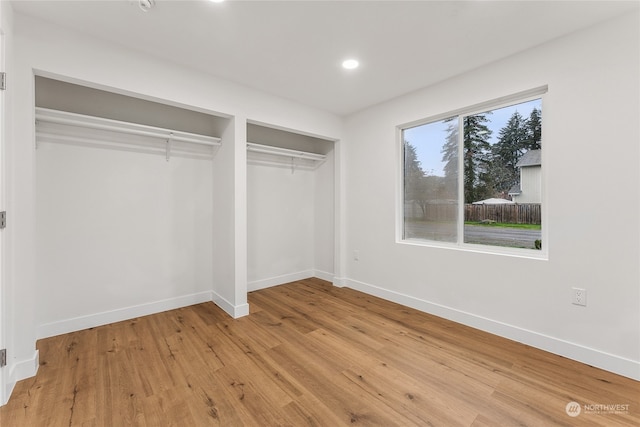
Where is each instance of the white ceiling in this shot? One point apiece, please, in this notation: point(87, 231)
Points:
point(293, 49)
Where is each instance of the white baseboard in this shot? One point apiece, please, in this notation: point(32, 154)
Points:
point(279, 280)
point(25, 368)
point(324, 275)
point(8, 389)
point(609, 362)
point(288, 278)
point(234, 311)
point(339, 282)
point(117, 315)
point(21, 370)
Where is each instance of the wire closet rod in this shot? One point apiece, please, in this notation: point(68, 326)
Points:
point(46, 115)
point(284, 152)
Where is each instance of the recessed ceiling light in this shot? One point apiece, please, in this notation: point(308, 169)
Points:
point(146, 5)
point(216, 1)
point(350, 64)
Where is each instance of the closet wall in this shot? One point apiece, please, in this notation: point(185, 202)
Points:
point(290, 211)
point(117, 229)
point(47, 50)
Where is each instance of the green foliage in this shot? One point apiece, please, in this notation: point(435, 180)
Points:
point(412, 167)
point(418, 186)
point(476, 158)
point(504, 225)
point(476, 152)
point(538, 244)
point(450, 154)
point(517, 137)
point(489, 171)
point(534, 129)
point(507, 151)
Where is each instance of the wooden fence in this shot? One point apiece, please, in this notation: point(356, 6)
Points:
point(525, 213)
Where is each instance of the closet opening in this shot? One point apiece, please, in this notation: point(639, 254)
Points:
point(124, 203)
point(290, 202)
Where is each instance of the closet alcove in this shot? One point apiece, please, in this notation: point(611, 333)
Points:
point(124, 203)
point(290, 206)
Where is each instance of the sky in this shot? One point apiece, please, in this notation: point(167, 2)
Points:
point(430, 138)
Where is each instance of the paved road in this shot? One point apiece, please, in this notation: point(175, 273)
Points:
point(498, 236)
point(514, 237)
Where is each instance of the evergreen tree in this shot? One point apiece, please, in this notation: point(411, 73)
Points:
point(450, 157)
point(534, 130)
point(476, 158)
point(413, 172)
point(420, 187)
point(412, 166)
point(513, 141)
point(413, 175)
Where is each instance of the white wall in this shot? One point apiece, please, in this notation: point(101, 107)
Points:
point(591, 134)
point(290, 212)
point(324, 223)
point(290, 223)
point(229, 221)
point(6, 125)
point(119, 231)
point(281, 217)
point(52, 51)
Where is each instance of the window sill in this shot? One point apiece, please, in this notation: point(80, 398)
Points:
point(481, 249)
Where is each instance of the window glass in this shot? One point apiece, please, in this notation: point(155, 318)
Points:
point(498, 156)
point(431, 181)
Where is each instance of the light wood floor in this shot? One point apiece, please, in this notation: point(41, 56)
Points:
point(308, 354)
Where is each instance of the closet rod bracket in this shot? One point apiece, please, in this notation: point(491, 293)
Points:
point(169, 146)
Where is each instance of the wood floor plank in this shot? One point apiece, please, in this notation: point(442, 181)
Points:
point(309, 354)
point(422, 405)
point(351, 404)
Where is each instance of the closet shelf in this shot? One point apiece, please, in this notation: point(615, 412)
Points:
point(78, 129)
point(268, 155)
point(284, 152)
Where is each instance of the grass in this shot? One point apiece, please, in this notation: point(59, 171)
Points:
point(506, 225)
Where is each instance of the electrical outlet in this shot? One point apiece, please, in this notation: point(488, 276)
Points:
point(579, 296)
point(356, 255)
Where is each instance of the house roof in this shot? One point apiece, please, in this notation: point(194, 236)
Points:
point(515, 189)
point(530, 158)
point(494, 201)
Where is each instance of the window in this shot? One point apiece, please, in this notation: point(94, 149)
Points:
point(475, 178)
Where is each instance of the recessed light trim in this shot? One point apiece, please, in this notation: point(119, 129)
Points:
point(146, 5)
point(350, 64)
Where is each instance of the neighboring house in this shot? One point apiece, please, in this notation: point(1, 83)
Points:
point(493, 201)
point(529, 189)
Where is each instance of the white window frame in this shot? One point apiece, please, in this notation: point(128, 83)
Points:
point(494, 104)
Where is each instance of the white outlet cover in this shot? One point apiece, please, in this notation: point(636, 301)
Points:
point(579, 296)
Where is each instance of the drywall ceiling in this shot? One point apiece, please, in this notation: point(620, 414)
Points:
point(294, 49)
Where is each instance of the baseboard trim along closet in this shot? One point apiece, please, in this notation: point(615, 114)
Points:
point(609, 362)
point(323, 275)
point(288, 278)
point(234, 311)
point(106, 317)
point(278, 280)
point(21, 370)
